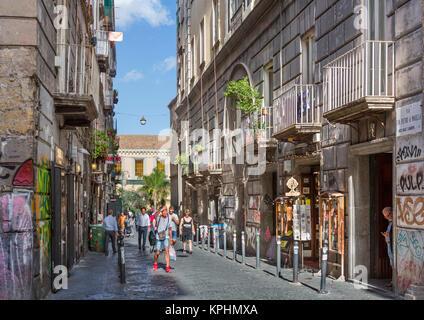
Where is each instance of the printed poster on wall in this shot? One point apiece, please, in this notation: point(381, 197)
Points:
point(409, 119)
point(305, 222)
point(253, 214)
point(296, 222)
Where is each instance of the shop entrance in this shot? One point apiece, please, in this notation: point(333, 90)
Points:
point(381, 183)
point(310, 186)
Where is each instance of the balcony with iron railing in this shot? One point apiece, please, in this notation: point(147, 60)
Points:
point(74, 95)
point(360, 82)
point(109, 100)
point(211, 163)
point(102, 49)
point(112, 61)
point(258, 127)
point(297, 113)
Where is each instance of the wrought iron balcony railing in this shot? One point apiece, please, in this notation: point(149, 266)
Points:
point(359, 81)
point(297, 112)
point(75, 66)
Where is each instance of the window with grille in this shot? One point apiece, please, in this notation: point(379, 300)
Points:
point(118, 168)
point(139, 168)
point(160, 164)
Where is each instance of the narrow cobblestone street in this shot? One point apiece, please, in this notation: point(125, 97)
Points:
point(201, 276)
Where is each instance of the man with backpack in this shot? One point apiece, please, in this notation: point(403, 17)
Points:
point(163, 228)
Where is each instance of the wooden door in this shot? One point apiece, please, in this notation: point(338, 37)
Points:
point(385, 183)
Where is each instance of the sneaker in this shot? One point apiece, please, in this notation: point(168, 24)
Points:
point(155, 267)
point(168, 269)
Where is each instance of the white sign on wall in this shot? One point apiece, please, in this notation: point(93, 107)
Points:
point(296, 222)
point(409, 119)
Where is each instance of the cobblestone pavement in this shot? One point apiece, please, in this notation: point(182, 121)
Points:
point(201, 276)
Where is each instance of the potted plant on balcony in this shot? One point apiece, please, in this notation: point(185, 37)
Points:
point(183, 161)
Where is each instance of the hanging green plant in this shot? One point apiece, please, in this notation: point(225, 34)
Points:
point(183, 160)
point(101, 144)
point(246, 96)
point(247, 100)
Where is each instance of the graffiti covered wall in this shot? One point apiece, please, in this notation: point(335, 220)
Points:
point(42, 218)
point(410, 259)
point(15, 246)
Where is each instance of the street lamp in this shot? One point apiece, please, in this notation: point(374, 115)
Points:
point(143, 121)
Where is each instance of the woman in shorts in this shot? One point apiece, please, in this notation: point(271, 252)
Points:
point(187, 230)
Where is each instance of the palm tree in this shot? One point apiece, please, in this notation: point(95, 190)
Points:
point(156, 186)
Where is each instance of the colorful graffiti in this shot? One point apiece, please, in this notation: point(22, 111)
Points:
point(410, 211)
point(15, 246)
point(15, 213)
point(42, 211)
point(254, 213)
point(410, 251)
point(24, 177)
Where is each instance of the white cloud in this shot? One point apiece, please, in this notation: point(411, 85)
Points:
point(132, 76)
point(152, 11)
point(166, 65)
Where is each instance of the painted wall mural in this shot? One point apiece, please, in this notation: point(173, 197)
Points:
point(410, 259)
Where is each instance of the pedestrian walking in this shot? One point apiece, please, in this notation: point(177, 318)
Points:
point(111, 231)
point(142, 225)
point(163, 228)
point(174, 223)
point(187, 230)
point(387, 213)
point(121, 223)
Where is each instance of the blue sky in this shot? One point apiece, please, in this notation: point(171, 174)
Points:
point(146, 75)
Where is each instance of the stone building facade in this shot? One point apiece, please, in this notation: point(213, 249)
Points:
point(140, 154)
point(341, 83)
point(54, 85)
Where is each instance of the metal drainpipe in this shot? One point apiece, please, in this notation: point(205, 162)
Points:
point(189, 71)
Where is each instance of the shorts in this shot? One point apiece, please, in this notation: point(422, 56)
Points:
point(174, 235)
point(187, 237)
point(161, 244)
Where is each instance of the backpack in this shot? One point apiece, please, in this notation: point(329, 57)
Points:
point(152, 238)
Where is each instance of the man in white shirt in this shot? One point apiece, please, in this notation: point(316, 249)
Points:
point(142, 223)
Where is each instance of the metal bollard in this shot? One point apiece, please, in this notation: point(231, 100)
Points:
point(258, 248)
point(295, 261)
point(278, 256)
point(218, 246)
point(324, 267)
point(197, 235)
point(242, 248)
point(209, 238)
point(225, 243)
point(203, 239)
point(234, 245)
point(215, 240)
